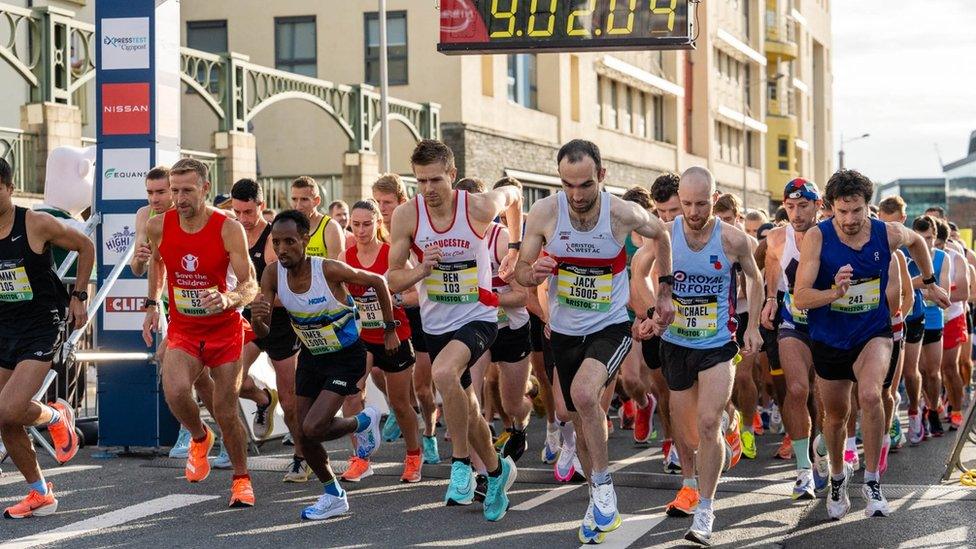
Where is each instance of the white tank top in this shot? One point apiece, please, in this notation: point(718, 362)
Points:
point(788, 262)
point(956, 308)
point(322, 323)
point(508, 317)
point(590, 289)
point(458, 289)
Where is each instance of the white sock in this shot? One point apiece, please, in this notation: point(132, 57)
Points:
point(851, 444)
point(569, 434)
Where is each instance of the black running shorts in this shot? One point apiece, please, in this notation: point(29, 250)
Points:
point(681, 365)
point(338, 372)
point(397, 362)
point(608, 346)
point(512, 346)
point(477, 336)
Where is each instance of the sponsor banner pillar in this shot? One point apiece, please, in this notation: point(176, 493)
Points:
point(138, 121)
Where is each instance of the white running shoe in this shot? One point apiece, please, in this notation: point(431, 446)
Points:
point(804, 488)
point(369, 440)
point(877, 505)
point(327, 506)
point(701, 528)
point(550, 450)
point(566, 465)
point(916, 433)
point(605, 514)
point(838, 500)
point(821, 468)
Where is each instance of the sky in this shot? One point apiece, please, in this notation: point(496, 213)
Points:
point(905, 72)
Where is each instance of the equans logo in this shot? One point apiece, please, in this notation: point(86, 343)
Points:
point(120, 240)
point(190, 263)
point(112, 173)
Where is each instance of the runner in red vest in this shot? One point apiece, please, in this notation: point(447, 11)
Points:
point(210, 277)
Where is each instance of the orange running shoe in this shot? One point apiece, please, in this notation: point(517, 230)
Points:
point(241, 493)
point(358, 469)
point(628, 412)
point(34, 505)
point(684, 504)
point(757, 426)
point(955, 421)
point(63, 432)
point(733, 449)
point(197, 464)
point(411, 469)
point(785, 451)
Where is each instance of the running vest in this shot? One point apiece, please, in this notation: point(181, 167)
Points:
point(703, 293)
point(316, 243)
point(508, 317)
point(195, 263)
point(323, 324)
point(370, 312)
point(956, 308)
point(257, 252)
point(918, 308)
point(31, 295)
point(861, 313)
point(458, 289)
point(933, 313)
point(789, 260)
point(589, 289)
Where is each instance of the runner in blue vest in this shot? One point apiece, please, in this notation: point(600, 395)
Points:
point(841, 280)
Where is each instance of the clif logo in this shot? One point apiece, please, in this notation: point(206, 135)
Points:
point(125, 109)
point(135, 304)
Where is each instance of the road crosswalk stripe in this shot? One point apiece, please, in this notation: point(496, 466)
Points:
point(631, 529)
point(15, 478)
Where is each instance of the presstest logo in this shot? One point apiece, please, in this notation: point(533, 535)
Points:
point(127, 43)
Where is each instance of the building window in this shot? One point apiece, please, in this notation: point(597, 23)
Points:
point(211, 37)
point(627, 123)
point(599, 100)
point(522, 80)
point(783, 154)
point(750, 158)
point(612, 122)
point(530, 194)
point(396, 48)
point(295, 46)
point(641, 116)
point(658, 112)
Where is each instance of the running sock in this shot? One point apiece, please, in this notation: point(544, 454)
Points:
point(464, 460)
point(498, 470)
point(837, 478)
point(801, 449)
point(55, 415)
point(362, 421)
point(552, 427)
point(413, 452)
point(238, 477)
point(569, 433)
point(851, 444)
point(821, 448)
point(869, 476)
point(332, 488)
point(705, 504)
point(690, 482)
point(40, 486)
point(600, 477)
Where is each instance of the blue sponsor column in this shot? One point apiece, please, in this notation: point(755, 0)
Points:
point(138, 106)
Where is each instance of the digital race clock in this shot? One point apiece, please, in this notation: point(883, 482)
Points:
point(508, 26)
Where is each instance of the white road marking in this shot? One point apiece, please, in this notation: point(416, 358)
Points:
point(556, 492)
point(631, 529)
point(108, 520)
point(15, 478)
point(552, 528)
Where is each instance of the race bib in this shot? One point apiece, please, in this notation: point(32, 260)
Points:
point(863, 295)
point(370, 311)
point(15, 286)
point(453, 283)
point(695, 317)
point(799, 315)
point(189, 301)
point(502, 316)
point(585, 288)
point(319, 341)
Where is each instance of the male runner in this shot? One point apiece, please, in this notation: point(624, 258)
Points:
point(954, 333)
point(802, 201)
point(583, 230)
point(841, 280)
point(698, 346)
point(447, 229)
point(32, 312)
point(339, 211)
point(332, 359)
point(209, 277)
point(327, 239)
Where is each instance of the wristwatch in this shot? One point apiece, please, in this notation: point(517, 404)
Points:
point(515, 245)
point(929, 280)
point(150, 303)
point(666, 279)
point(390, 326)
point(80, 295)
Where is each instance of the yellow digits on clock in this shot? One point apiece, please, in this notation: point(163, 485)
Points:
point(586, 12)
point(552, 19)
point(510, 15)
point(669, 11)
point(630, 18)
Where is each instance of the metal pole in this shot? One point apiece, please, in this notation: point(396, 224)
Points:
point(745, 179)
point(384, 99)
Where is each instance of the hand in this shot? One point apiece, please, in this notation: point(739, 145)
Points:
point(752, 342)
point(663, 313)
point(938, 295)
point(506, 269)
point(215, 302)
point(77, 313)
point(150, 325)
point(543, 268)
point(143, 253)
point(843, 279)
point(391, 341)
point(768, 315)
point(635, 328)
point(547, 331)
point(260, 310)
point(647, 329)
point(432, 256)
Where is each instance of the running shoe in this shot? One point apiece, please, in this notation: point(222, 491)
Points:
point(411, 469)
point(672, 463)
point(644, 421)
point(877, 505)
point(588, 534)
point(501, 439)
point(935, 424)
point(916, 434)
point(34, 505)
point(550, 450)
point(461, 489)
point(298, 471)
point(757, 424)
point(748, 445)
point(733, 441)
point(431, 454)
point(821, 468)
point(63, 431)
point(895, 434)
point(565, 468)
point(684, 504)
point(326, 507)
point(839, 501)
point(851, 458)
point(955, 420)
point(605, 514)
point(358, 469)
point(628, 414)
point(369, 439)
point(516, 444)
point(181, 448)
point(496, 498)
point(785, 450)
point(241, 493)
point(480, 487)
point(222, 461)
point(264, 416)
point(391, 429)
point(287, 440)
point(197, 464)
point(701, 528)
point(804, 487)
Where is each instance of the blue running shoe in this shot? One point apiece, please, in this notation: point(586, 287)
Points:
point(605, 514)
point(222, 461)
point(431, 455)
point(369, 438)
point(327, 506)
point(821, 468)
point(181, 449)
point(496, 500)
point(588, 534)
point(461, 489)
point(391, 429)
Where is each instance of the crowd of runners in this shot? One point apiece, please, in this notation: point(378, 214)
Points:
point(669, 308)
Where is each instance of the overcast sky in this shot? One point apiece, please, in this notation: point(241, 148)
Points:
point(905, 72)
